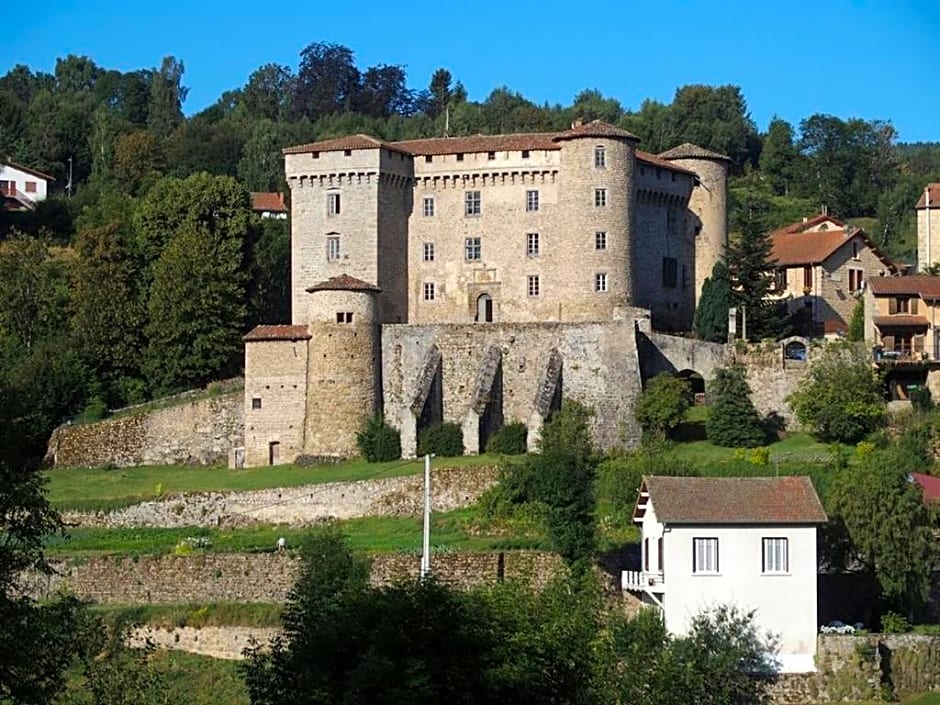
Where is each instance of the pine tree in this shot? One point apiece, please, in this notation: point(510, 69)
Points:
point(733, 422)
point(751, 269)
point(711, 314)
point(856, 332)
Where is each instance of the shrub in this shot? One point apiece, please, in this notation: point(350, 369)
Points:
point(509, 439)
point(733, 421)
point(568, 430)
point(662, 405)
point(94, 411)
point(619, 478)
point(378, 442)
point(445, 440)
point(894, 623)
point(856, 331)
point(921, 399)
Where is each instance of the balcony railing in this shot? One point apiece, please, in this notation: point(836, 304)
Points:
point(642, 581)
point(904, 356)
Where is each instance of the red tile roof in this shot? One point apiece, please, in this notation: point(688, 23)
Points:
point(808, 223)
point(802, 248)
point(734, 500)
point(343, 282)
point(922, 285)
point(656, 161)
point(929, 485)
point(934, 190)
point(834, 325)
point(340, 144)
point(533, 141)
point(596, 128)
point(34, 172)
point(277, 333)
point(692, 151)
point(268, 202)
point(901, 320)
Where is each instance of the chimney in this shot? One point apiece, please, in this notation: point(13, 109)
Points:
point(825, 209)
point(577, 122)
point(805, 219)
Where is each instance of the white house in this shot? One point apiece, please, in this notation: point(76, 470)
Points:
point(269, 205)
point(748, 541)
point(21, 187)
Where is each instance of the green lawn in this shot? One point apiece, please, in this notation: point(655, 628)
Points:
point(227, 614)
point(104, 489)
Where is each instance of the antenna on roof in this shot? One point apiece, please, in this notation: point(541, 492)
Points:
point(447, 121)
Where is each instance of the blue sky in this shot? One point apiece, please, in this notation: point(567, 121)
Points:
point(851, 58)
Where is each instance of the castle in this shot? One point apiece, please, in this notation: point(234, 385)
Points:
point(477, 280)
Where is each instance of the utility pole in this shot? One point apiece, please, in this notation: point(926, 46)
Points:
point(426, 547)
point(68, 186)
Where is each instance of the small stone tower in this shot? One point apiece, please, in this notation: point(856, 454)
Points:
point(928, 227)
point(343, 372)
point(708, 205)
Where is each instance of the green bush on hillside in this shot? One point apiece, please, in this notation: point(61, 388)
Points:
point(378, 442)
point(662, 405)
point(444, 440)
point(733, 422)
point(510, 439)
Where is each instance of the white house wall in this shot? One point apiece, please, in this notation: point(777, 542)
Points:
point(9, 173)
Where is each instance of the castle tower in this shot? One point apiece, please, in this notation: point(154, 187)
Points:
point(343, 375)
point(928, 227)
point(596, 201)
point(708, 205)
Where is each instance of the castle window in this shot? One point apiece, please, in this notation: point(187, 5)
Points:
point(534, 285)
point(671, 221)
point(491, 155)
point(473, 250)
point(531, 201)
point(255, 403)
point(532, 244)
point(429, 252)
point(472, 203)
point(428, 206)
point(600, 282)
point(315, 155)
point(659, 174)
point(600, 240)
point(600, 197)
point(670, 272)
point(673, 176)
point(600, 157)
point(347, 152)
point(429, 291)
point(332, 203)
point(525, 153)
point(332, 248)
point(428, 158)
point(344, 317)
point(459, 157)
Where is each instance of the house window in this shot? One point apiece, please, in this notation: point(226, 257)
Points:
point(775, 556)
point(429, 291)
point(30, 187)
point(704, 555)
point(533, 285)
point(600, 282)
point(429, 252)
point(600, 157)
point(332, 203)
point(472, 203)
point(473, 251)
point(532, 244)
point(344, 317)
point(255, 403)
point(525, 153)
point(854, 248)
point(856, 280)
point(600, 240)
point(670, 272)
point(531, 201)
point(780, 279)
point(8, 188)
point(807, 277)
point(428, 206)
point(901, 305)
point(600, 197)
point(332, 248)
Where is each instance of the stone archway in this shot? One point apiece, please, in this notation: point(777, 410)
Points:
point(484, 313)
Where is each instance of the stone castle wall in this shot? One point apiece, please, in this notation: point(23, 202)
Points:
point(200, 432)
point(772, 378)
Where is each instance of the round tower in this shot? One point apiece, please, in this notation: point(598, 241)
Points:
point(343, 365)
point(596, 209)
point(708, 205)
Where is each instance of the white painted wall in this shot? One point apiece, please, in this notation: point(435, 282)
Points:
point(784, 604)
point(9, 173)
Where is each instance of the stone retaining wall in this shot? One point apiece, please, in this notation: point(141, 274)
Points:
point(217, 642)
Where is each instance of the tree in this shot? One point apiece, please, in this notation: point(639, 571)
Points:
point(33, 290)
point(439, 93)
point(166, 97)
point(139, 158)
point(714, 117)
point(327, 81)
point(856, 332)
point(888, 524)
point(267, 94)
point(196, 309)
point(564, 482)
point(751, 274)
point(569, 430)
point(711, 314)
point(592, 105)
point(383, 92)
point(269, 296)
point(733, 421)
point(662, 405)
point(779, 156)
point(843, 399)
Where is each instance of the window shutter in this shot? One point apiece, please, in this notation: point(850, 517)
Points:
point(913, 305)
point(893, 306)
point(918, 343)
point(888, 342)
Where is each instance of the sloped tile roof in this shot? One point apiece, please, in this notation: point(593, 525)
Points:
point(596, 128)
point(934, 197)
point(791, 249)
point(929, 486)
point(914, 285)
point(533, 141)
point(28, 170)
point(338, 144)
point(343, 282)
point(809, 223)
point(692, 151)
point(901, 320)
point(734, 500)
point(269, 202)
point(277, 333)
point(834, 325)
point(656, 161)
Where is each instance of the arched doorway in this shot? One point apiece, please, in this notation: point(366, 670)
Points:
point(484, 309)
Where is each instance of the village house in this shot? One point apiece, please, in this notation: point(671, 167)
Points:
point(269, 205)
point(822, 265)
point(746, 541)
point(21, 187)
point(928, 227)
point(901, 316)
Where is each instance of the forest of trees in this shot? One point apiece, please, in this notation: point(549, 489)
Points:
point(140, 274)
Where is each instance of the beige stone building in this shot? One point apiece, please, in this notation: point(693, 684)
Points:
point(471, 279)
point(901, 317)
point(822, 265)
point(928, 227)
